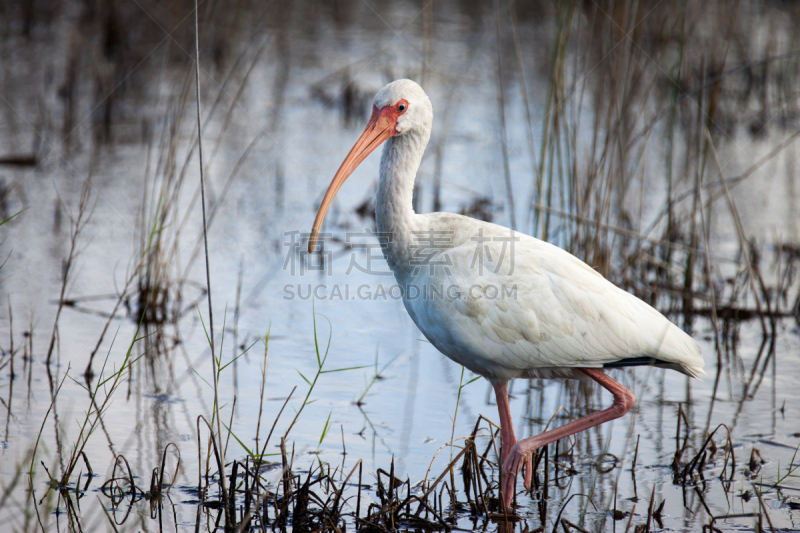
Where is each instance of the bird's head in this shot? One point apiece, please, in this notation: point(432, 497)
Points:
point(405, 105)
point(400, 108)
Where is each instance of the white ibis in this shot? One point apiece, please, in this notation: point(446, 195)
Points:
point(503, 304)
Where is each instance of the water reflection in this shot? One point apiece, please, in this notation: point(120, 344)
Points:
point(606, 109)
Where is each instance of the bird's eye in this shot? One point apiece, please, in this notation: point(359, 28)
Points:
point(401, 107)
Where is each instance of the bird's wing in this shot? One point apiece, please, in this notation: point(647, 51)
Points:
point(517, 304)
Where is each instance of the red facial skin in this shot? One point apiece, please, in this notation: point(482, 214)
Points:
point(382, 125)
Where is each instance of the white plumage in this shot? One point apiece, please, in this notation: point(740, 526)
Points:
point(558, 314)
point(501, 303)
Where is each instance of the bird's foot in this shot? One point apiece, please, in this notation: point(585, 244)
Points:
point(520, 456)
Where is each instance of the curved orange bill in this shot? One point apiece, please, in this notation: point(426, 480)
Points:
point(381, 126)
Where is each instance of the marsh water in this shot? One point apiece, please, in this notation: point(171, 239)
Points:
point(98, 103)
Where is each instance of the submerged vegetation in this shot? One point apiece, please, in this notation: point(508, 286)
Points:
point(655, 141)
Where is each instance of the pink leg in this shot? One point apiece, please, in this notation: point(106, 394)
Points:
point(508, 439)
point(523, 450)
